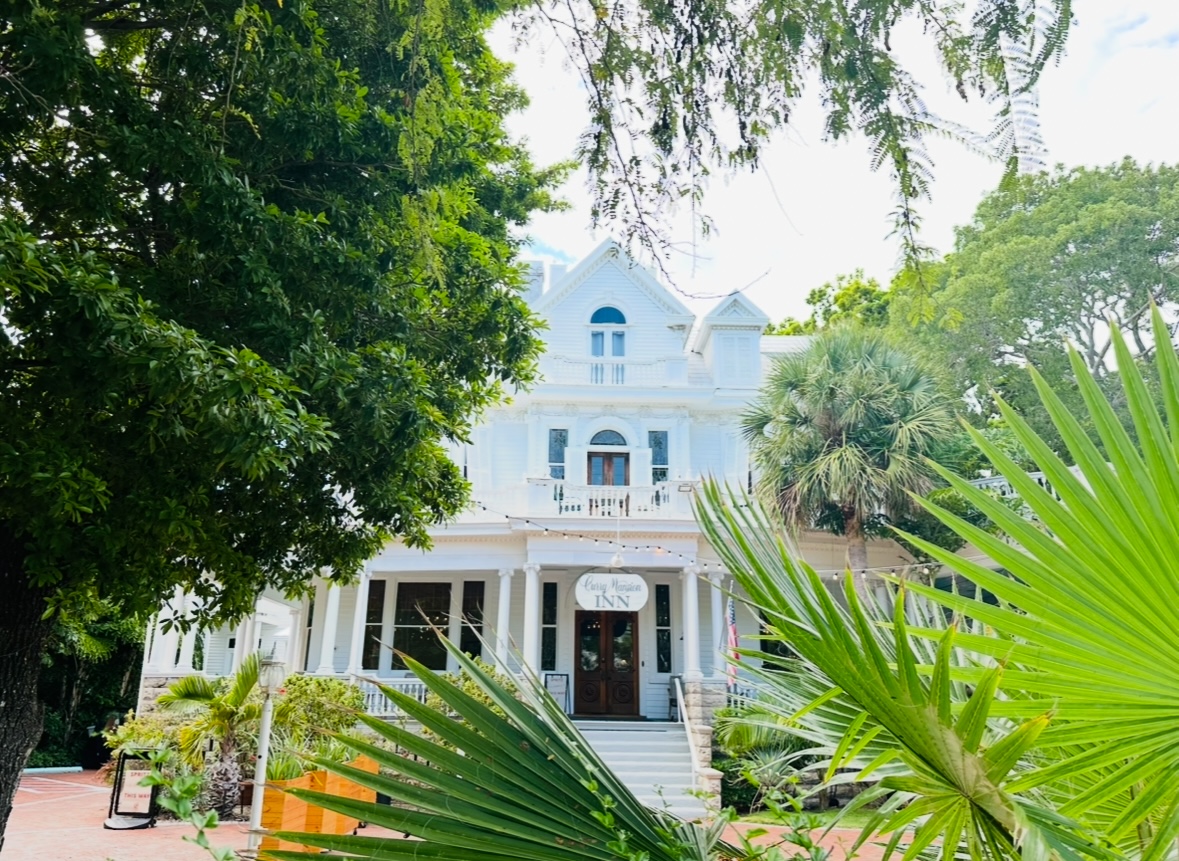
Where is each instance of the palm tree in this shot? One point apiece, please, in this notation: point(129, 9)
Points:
point(1040, 724)
point(221, 713)
point(840, 432)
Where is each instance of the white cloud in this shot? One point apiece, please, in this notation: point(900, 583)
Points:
point(815, 210)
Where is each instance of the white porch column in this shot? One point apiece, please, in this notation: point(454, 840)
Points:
point(245, 639)
point(720, 627)
point(170, 640)
point(295, 644)
point(359, 617)
point(155, 652)
point(503, 618)
point(532, 616)
point(691, 625)
point(331, 617)
point(187, 650)
point(187, 639)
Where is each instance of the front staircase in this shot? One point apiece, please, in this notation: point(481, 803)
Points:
point(652, 759)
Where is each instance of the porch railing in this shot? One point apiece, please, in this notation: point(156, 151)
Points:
point(379, 705)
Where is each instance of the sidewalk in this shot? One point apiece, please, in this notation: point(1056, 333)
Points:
point(58, 817)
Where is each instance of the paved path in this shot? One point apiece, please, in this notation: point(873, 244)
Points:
point(59, 817)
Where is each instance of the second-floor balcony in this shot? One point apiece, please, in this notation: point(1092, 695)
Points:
point(1002, 487)
point(614, 371)
point(551, 497)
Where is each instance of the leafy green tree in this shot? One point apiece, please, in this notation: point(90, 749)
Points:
point(840, 432)
point(90, 672)
point(676, 90)
point(1038, 725)
point(1048, 259)
point(850, 298)
point(222, 710)
point(256, 267)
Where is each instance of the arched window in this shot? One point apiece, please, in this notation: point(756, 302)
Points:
point(605, 317)
point(608, 468)
point(608, 437)
point(608, 316)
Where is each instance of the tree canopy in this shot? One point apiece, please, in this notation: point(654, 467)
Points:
point(851, 298)
point(678, 90)
point(256, 267)
point(1050, 259)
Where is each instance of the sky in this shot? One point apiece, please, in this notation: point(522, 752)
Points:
point(815, 209)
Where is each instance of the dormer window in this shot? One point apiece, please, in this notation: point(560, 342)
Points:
point(607, 316)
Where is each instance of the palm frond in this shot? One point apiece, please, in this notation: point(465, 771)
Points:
point(525, 785)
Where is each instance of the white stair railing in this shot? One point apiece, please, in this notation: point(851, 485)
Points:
point(686, 720)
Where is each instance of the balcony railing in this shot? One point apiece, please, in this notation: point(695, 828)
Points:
point(605, 371)
point(555, 498)
point(1000, 486)
point(552, 497)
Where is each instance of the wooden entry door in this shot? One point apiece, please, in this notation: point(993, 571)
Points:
point(607, 469)
point(606, 674)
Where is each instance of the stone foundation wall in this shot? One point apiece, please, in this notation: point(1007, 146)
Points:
point(702, 699)
point(150, 687)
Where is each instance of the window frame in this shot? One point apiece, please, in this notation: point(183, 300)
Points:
point(443, 622)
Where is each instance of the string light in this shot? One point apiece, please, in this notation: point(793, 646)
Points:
point(835, 574)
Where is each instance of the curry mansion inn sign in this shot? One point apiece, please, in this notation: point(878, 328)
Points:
point(613, 591)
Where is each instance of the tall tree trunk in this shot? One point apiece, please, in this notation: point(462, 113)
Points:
point(857, 557)
point(23, 635)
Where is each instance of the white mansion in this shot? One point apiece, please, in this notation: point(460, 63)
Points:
point(580, 555)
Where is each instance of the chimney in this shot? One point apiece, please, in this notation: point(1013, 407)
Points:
point(556, 273)
point(534, 281)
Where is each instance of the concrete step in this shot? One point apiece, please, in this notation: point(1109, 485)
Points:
point(651, 759)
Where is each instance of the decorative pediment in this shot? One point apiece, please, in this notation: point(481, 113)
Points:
point(610, 253)
point(735, 311)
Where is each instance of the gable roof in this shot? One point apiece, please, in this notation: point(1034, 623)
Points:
point(607, 252)
point(735, 311)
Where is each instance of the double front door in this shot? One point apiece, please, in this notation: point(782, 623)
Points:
point(606, 675)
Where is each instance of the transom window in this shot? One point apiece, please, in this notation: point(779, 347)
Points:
point(608, 316)
point(608, 437)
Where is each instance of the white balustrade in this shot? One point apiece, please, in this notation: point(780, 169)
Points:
point(1002, 488)
point(379, 705)
point(556, 498)
point(605, 371)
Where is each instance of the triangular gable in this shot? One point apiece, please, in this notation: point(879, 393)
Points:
point(735, 311)
point(606, 253)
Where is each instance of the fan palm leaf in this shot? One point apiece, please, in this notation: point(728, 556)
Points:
point(893, 705)
point(1093, 602)
point(521, 784)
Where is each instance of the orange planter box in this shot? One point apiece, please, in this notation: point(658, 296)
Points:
point(284, 812)
point(338, 823)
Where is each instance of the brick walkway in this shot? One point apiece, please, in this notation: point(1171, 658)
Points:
point(58, 817)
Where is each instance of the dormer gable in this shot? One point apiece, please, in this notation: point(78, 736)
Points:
point(729, 339)
point(610, 255)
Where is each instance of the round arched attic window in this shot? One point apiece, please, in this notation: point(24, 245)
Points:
point(608, 437)
point(608, 315)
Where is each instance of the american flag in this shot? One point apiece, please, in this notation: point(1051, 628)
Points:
point(733, 642)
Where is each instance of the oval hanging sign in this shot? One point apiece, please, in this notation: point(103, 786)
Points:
point(610, 591)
